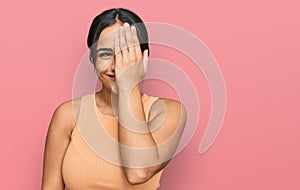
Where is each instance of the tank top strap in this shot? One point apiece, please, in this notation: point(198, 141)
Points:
point(86, 109)
point(147, 103)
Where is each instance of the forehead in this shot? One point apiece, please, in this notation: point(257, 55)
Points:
point(106, 37)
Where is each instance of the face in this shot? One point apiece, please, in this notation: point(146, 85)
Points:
point(105, 59)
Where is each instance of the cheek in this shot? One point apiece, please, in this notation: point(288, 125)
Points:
point(102, 65)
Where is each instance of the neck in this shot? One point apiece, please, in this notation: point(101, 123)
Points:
point(107, 99)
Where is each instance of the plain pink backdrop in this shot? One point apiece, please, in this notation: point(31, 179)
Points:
point(256, 44)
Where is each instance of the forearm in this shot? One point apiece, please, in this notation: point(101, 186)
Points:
point(143, 152)
point(133, 129)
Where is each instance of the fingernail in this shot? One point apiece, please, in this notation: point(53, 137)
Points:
point(126, 24)
point(132, 27)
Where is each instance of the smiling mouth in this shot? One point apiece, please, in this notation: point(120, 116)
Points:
point(112, 77)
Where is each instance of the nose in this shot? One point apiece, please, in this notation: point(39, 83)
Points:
point(113, 64)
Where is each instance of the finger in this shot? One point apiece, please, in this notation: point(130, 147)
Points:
point(145, 60)
point(118, 53)
point(123, 45)
point(137, 47)
point(130, 43)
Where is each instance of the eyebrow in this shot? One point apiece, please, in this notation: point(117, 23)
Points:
point(105, 49)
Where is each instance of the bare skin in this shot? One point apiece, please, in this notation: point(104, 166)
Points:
point(119, 75)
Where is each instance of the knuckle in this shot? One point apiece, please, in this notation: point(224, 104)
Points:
point(130, 41)
point(124, 48)
point(132, 59)
point(139, 57)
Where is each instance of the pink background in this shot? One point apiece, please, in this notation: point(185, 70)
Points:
point(256, 44)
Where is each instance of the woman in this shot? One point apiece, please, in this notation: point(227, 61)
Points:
point(147, 129)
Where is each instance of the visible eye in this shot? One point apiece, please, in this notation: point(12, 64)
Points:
point(105, 55)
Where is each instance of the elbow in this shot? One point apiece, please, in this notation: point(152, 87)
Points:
point(51, 188)
point(137, 176)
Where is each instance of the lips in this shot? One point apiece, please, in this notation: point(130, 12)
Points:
point(111, 77)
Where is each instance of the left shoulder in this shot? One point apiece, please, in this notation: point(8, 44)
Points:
point(169, 106)
point(167, 118)
point(172, 104)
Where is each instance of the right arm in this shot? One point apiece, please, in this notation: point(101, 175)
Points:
point(57, 142)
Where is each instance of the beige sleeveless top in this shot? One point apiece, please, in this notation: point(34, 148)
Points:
point(83, 169)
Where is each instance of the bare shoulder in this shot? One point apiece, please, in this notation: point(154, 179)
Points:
point(66, 114)
point(167, 119)
point(57, 141)
point(173, 105)
point(169, 105)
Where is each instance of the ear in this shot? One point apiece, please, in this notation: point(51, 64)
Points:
point(145, 60)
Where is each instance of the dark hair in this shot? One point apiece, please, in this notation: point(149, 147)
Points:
point(110, 17)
